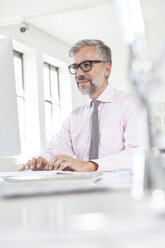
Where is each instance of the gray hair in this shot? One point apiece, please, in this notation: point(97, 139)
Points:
point(100, 48)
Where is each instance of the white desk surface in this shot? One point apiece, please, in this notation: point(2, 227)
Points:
point(95, 220)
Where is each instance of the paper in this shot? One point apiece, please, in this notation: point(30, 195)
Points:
point(116, 179)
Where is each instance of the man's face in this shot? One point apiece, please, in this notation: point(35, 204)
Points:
point(89, 82)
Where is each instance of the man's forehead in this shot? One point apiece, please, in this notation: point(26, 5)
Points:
point(85, 53)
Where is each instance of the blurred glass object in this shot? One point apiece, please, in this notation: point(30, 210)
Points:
point(147, 72)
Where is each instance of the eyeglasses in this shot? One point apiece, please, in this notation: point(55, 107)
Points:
point(84, 66)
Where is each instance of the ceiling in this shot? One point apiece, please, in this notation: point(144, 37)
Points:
point(73, 20)
point(69, 21)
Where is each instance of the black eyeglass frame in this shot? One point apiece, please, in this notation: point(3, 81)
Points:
point(79, 65)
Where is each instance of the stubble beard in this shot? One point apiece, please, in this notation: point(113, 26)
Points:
point(90, 90)
point(94, 85)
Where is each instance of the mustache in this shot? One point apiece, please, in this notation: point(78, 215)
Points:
point(83, 78)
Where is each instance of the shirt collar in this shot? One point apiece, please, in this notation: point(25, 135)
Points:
point(106, 95)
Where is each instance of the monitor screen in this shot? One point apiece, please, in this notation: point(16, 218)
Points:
point(9, 127)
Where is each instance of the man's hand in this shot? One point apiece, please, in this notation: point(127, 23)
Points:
point(64, 162)
point(35, 164)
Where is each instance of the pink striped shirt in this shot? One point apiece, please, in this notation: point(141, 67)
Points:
point(117, 113)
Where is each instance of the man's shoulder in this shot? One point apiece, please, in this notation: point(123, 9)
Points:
point(80, 109)
point(124, 95)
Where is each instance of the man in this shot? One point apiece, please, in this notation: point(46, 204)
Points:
point(104, 138)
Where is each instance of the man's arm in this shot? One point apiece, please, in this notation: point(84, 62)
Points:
point(60, 144)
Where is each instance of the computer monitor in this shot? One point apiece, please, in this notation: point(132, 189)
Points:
point(9, 126)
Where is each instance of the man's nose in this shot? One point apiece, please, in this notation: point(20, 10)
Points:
point(79, 72)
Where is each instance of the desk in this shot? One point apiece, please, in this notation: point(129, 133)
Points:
point(104, 219)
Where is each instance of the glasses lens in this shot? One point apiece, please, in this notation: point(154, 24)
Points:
point(73, 68)
point(86, 66)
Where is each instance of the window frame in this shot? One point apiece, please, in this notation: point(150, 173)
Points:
point(50, 67)
point(20, 56)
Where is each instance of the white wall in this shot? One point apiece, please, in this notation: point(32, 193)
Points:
point(36, 47)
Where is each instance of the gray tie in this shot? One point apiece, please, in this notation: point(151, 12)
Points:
point(93, 152)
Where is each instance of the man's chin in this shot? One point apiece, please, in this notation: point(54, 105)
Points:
point(89, 91)
point(84, 92)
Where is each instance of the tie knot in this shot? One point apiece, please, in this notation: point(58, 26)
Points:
point(96, 103)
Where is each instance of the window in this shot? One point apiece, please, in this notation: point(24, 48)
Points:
point(52, 100)
point(18, 66)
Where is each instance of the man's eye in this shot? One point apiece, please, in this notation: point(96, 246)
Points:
point(86, 65)
point(74, 66)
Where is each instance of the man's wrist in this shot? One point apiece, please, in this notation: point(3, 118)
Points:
point(93, 166)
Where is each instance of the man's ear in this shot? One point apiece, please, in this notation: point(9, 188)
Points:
point(107, 69)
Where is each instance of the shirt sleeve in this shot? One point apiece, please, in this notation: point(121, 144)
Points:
point(61, 143)
point(125, 158)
